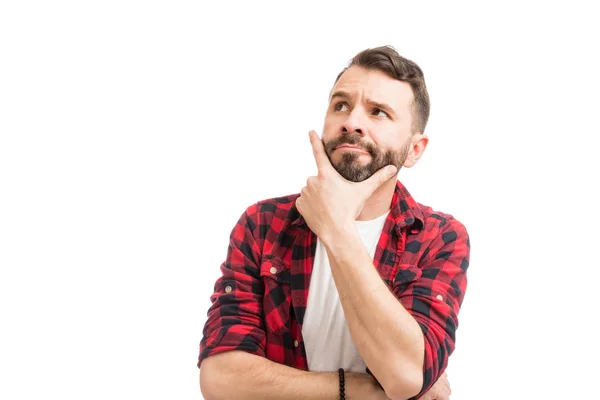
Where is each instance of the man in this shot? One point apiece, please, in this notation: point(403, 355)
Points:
point(349, 289)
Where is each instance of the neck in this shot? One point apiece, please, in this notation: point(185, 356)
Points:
point(380, 201)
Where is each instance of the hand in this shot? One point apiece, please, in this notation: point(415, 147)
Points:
point(329, 203)
point(440, 390)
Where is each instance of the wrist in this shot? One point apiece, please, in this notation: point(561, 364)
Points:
point(353, 386)
point(340, 236)
point(360, 386)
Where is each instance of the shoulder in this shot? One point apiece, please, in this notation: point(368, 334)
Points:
point(439, 224)
point(280, 211)
point(275, 204)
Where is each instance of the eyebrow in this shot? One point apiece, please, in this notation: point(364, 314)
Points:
point(346, 95)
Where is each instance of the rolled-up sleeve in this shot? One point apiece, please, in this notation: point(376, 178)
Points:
point(435, 298)
point(235, 316)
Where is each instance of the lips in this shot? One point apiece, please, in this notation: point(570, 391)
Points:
point(348, 146)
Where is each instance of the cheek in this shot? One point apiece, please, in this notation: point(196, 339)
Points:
point(390, 137)
point(330, 127)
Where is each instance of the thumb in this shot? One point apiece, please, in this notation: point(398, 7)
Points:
point(380, 177)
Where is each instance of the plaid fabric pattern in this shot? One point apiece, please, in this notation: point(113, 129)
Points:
point(259, 301)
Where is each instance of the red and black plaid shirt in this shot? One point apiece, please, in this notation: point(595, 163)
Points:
point(259, 302)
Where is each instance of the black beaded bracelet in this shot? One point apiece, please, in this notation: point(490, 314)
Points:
point(342, 384)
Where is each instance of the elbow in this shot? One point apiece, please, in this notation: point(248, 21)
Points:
point(207, 384)
point(211, 381)
point(405, 379)
point(404, 385)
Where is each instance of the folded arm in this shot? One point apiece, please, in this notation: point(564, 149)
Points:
point(238, 374)
point(232, 351)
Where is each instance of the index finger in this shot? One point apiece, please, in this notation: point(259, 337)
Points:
point(321, 158)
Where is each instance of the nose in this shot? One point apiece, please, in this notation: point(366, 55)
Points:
point(353, 123)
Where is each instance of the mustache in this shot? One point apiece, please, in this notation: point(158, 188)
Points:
point(351, 139)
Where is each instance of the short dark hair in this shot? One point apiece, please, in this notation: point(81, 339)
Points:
point(386, 59)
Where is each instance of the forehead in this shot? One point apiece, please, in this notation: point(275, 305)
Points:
point(375, 85)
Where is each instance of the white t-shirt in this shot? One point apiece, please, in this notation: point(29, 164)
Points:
point(327, 339)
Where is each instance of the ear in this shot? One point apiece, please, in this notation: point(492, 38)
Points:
point(417, 147)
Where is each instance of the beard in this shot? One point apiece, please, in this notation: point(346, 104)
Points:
point(351, 169)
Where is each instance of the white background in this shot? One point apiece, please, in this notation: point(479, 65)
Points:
point(135, 133)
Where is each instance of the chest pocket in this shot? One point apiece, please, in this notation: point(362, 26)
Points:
point(277, 299)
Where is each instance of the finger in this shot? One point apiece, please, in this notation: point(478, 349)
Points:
point(321, 158)
point(379, 178)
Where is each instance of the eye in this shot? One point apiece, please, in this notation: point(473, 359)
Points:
point(340, 106)
point(383, 113)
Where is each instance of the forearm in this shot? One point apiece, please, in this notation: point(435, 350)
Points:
point(237, 374)
point(387, 337)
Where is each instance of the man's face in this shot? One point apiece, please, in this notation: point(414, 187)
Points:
point(368, 123)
